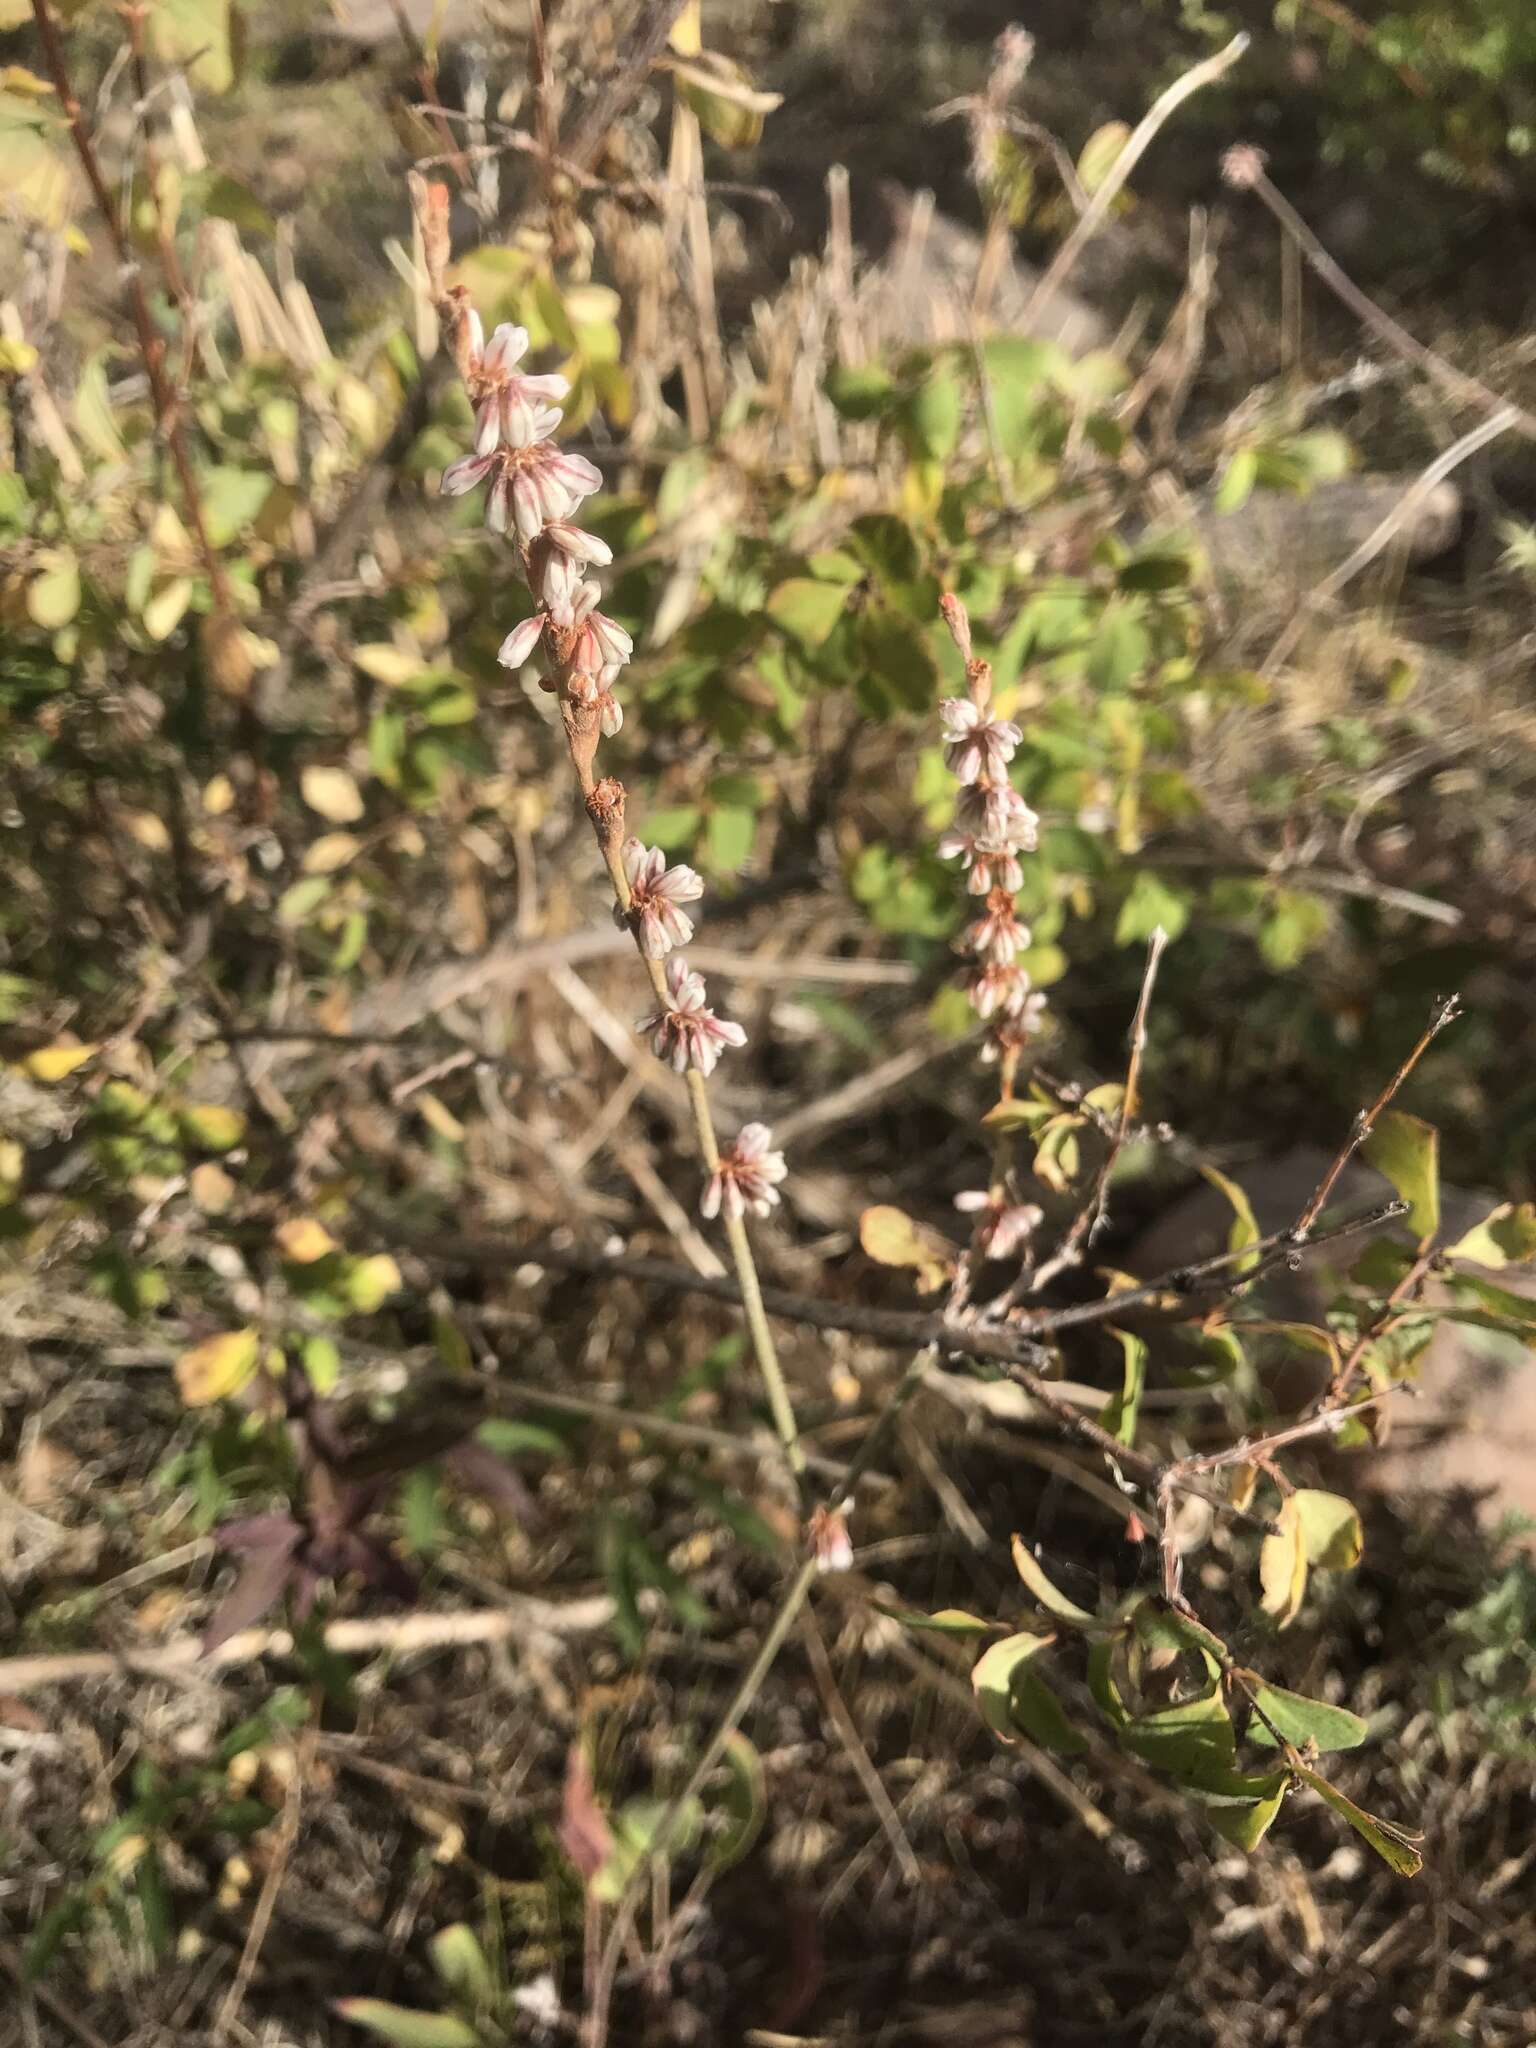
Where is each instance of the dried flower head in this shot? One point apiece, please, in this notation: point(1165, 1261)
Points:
point(685, 1031)
point(958, 620)
point(1243, 166)
point(747, 1177)
point(656, 894)
point(1010, 1034)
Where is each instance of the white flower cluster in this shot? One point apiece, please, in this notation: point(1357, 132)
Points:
point(535, 490)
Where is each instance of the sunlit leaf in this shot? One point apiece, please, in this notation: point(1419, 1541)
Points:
point(891, 1238)
point(1245, 1230)
point(1283, 1567)
point(304, 1240)
point(1120, 1412)
point(218, 1367)
point(210, 1125)
point(402, 2027)
point(1049, 1596)
point(52, 1063)
point(333, 793)
point(1330, 1529)
point(1505, 1237)
point(461, 1963)
point(1407, 1151)
point(1301, 1720)
point(1395, 1846)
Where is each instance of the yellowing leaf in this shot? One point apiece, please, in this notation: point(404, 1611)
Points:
point(436, 1114)
point(212, 1189)
point(52, 1063)
point(218, 1367)
point(1100, 154)
point(1283, 1567)
point(165, 610)
point(387, 663)
point(1396, 1846)
point(330, 852)
point(1330, 1529)
point(1505, 1237)
point(218, 795)
point(149, 830)
point(333, 793)
point(54, 597)
point(211, 1125)
point(370, 1282)
point(891, 1238)
point(807, 610)
point(304, 1239)
point(1245, 1230)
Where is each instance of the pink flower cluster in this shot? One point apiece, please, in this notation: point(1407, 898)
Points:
point(535, 490)
point(993, 826)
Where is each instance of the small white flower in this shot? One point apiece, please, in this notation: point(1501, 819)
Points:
point(601, 647)
point(995, 812)
point(997, 937)
point(685, 1031)
point(975, 744)
point(826, 1532)
point(987, 867)
point(747, 1177)
point(656, 894)
point(1001, 1226)
point(997, 989)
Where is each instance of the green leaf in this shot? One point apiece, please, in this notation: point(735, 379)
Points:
point(807, 610)
point(945, 1621)
point(221, 197)
point(1241, 1808)
point(744, 1803)
point(461, 1963)
point(1406, 1150)
point(1293, 925)
point(1330, 1529)
point(199, 34)
point(231, 500)
point(1184, 1739)
point(1040, 1715)
point(1151, 903)
point(1166, 570)
point(1245, 1229)
point(933, 415)
point(860, 392)
point(1505, 1237)
point(673, 830)
point(403, 2027)
point(1395, 1846)
point(898, 664)
point(1120, 1412)
point(992, 1679)
point(728, 838)
point(1121, 649)
point(1049, 1596)
point(1237, 481)
point(1301, 1720)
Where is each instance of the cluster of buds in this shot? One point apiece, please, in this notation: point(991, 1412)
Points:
point(534, 491)
point(993, 826)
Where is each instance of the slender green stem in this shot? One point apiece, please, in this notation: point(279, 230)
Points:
point(764, 1350)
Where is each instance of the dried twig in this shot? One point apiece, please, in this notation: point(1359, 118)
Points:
point(1136, 147)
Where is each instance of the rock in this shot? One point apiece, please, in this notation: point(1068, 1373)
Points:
point(1296, 542)
point(920, 292)
point(1472, 1426)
